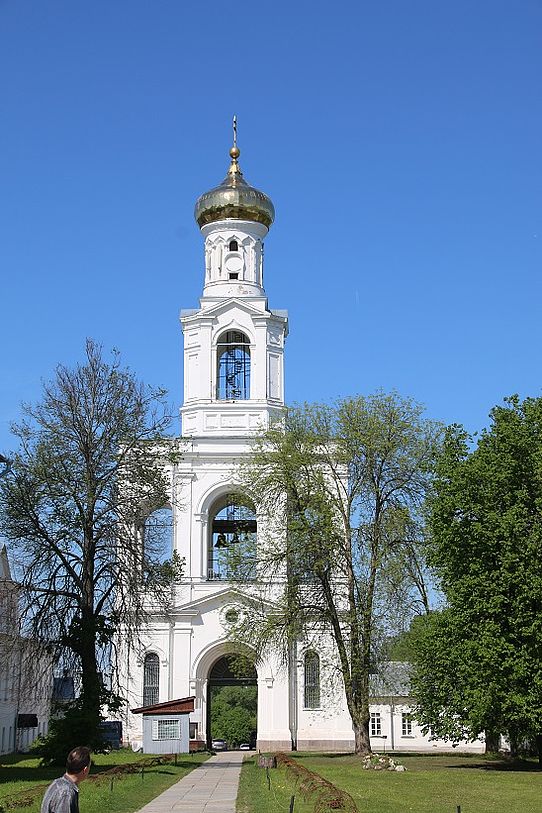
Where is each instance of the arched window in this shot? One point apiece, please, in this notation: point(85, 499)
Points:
point(151, 679)
point(157, 533)
point(312, 681)
point(234, 245)
point(232, 540)
point(233, 367)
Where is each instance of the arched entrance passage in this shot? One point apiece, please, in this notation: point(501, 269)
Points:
point(232, 691)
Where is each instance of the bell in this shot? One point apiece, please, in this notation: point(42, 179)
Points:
point(221, 541)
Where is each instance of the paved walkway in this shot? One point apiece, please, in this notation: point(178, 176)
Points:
point(209, 788)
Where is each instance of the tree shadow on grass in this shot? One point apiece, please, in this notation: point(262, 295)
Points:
point(38, 775)
point(13, 771)
point(518, 766)
point(435, 761)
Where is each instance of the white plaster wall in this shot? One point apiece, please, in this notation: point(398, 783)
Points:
point(247, 262)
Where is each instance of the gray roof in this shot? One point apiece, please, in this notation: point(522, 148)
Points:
point(392, 680)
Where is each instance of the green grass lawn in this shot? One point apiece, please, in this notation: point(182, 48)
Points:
point(431, 784)
point(20, 773)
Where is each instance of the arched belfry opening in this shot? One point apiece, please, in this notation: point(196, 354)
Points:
point(231, 551)
point(233, 366)
point(232, 701)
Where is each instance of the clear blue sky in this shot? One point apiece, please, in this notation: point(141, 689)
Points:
point(400, 142)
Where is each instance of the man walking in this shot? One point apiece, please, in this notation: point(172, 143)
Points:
point(62, 795)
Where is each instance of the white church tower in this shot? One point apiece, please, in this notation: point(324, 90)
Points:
point(233, 387)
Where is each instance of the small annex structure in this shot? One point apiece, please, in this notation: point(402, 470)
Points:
point(166, 727)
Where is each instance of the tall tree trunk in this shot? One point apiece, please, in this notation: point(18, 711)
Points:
point(538, 741)
point(513, 738)
point(362, 743)
point(91, 681)
point(493, 740)
point(360, 723)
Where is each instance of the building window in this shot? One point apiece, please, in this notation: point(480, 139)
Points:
point(406, 725)
point(193, 730)
point(151, 679)
point(312, 681)
point(233, 367)
point(232, 540)
point(234, 245)
point(376, 724)
point(166, 729)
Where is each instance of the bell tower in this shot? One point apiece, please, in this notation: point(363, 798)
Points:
point(233, 343)
point(233, 388)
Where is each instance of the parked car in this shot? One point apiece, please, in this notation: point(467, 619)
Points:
point(219, 745)
point(245, 746)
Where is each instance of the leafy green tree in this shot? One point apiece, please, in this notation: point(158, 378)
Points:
point(234, 713)
point(91, 464)
point(479, 660)
point(403, 647)
point(339, 491)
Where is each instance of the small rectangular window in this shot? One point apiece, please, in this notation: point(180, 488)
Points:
point(406, 725)
point(166, 729)
point(376, 724)
point(193, 731)
point(234, 276)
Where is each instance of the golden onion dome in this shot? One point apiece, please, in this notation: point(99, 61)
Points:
point(234, 198)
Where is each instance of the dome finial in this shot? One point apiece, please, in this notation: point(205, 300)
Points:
point(235, 152)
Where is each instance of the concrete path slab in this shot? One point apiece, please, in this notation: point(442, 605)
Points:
point(209, 788)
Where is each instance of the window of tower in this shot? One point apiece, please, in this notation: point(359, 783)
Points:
point(234, 245)
point(231, 550)
point(151, 679)
point(311, 680)
point(233, 367)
